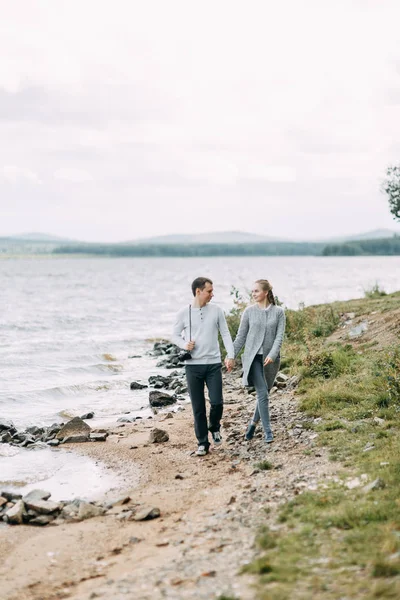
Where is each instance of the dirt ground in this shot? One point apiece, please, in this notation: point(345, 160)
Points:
point(209, 514)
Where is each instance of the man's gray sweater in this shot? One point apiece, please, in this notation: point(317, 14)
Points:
point(206, 323)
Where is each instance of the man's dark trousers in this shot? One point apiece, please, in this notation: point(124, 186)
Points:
point(211, 376)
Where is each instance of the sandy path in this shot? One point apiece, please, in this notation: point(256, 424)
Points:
point(208, 517)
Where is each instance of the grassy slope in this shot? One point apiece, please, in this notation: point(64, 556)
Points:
point(339, 542)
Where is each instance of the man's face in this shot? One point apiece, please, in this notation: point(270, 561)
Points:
point(205, 294)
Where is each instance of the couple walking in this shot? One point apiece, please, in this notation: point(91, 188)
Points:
point(260, 332)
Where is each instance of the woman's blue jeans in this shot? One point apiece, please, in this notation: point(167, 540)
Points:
point(257, 378)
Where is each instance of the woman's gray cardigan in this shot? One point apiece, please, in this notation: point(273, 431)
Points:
point(259, 326)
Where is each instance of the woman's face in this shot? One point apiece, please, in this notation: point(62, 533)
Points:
point(258, 293)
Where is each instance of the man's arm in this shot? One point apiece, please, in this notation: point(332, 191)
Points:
point(226, 336)
point(179, 326)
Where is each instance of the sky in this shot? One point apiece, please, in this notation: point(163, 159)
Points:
point(129, 119)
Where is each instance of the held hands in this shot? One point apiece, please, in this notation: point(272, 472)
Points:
point(229, 364)
point(189, 346)
point(268, 361)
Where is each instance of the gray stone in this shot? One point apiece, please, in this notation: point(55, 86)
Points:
point(87, 511)
point(98, 437)
point(11, 496)
point(157, 399)
point(5, 425)
point(75, 439)
point(34, 495)
point(14, 515)
point(377, 484)
point(42, 520)
point(53, 443)
point(158, 436)
point(2, 501)
point(43, 507)
point(135, 385)
point(75, 427)
point(88, 415)
point(145, 514)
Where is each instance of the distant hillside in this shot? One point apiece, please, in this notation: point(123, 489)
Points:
point(376, 234)
point(215, 237)
point(38, 237)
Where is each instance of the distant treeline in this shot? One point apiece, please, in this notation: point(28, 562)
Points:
point(267, 249)
point(384, 247)
point(388, 247)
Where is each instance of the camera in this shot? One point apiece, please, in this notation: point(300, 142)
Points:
point(184, 355)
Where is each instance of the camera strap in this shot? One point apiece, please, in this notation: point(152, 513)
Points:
point(190, 322)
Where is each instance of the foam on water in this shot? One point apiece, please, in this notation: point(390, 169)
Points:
point(63, 473)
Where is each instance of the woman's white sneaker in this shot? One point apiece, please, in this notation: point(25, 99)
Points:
point(201, 451)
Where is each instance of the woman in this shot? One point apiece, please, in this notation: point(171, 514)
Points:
point(261, 333)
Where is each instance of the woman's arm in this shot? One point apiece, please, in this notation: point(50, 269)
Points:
point(242, 333)
point(280, 330)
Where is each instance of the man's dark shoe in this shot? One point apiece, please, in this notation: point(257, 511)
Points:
point(250, 431)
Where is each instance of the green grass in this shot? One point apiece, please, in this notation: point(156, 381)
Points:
point(264, 465)
point(338, 542)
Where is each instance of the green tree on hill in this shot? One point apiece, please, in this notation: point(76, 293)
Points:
point(391, 186)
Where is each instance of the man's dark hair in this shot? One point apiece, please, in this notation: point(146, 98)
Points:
point(200, 282)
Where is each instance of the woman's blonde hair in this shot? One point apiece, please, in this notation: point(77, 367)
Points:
point(267, 287)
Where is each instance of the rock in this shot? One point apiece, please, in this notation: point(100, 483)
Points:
point(2, 501)
point(135, 385)
point(6, 438)
point(98, 437)
point(158, 436)
point(70, 512)
point(377, 484)
point(120, 501)
point(11, 496)
point(6, 425)
point(75, 427)
point(157, 398)
point(53, 443)
point(378, 421)
point(87, 511)
point(179, 476)
point(14, 515)
point(35, 431)
point(43, 507)
point(281, 378)
point(88, 415)
point(145, 514)
point(36, 495)
point(75, 439)
point(42, 520)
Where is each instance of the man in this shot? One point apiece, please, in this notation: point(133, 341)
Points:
point(203, 321)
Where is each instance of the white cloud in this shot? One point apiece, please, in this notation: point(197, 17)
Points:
point(159, 105)
point(73, 175)
point(13, 174)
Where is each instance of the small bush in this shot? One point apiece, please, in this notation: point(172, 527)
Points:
point(374, 292)
point(264, 465)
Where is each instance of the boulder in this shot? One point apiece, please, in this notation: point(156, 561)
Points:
point(75, 439)
point(98, 437)
point(14, 515)
point(6, 425)
point(158, 436)
point(11, 496)
point(42, 520)
point(88, 415)
point(75, 427)
point(2, 501)
point(157, 398)
point(43, 507)
point(145, 514)
point(87, 511)
point(36, 495)
point(135, 385)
